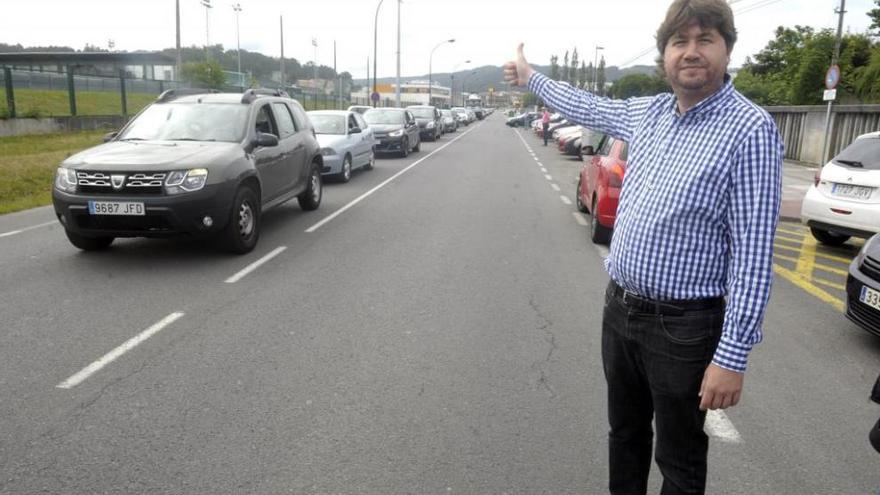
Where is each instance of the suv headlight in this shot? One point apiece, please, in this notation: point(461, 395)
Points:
point(327, 151)
point(396, 133)
point(430, 125)
point(65, 179)
point(180, 181)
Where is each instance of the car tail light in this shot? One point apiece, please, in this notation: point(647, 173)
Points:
point(615, 177)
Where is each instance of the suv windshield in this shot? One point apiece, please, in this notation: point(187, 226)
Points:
point(423, 113)
point(328, 124)
point(384, 117)
point(862, 153)
point(189, 122)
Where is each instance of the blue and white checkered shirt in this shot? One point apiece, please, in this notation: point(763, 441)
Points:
point(699, 203)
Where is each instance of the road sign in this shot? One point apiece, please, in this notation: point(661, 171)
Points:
point(829, 95)
point(832, 77)
point(374, 96)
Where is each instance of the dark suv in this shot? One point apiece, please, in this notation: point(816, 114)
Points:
point(429, 119)
point(192, 163)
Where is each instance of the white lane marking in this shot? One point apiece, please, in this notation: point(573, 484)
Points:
point(543, 170)
point(555, 187)
point(565, 200)
point(536, 158)
point(253, 266)
point(380, 186)
point(579, 218)
point(603, 250)
point(25, 229)
point(119, 351)
point(548, 176)
point(719, 426)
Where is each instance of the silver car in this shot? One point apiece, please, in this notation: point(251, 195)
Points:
point(347, 142)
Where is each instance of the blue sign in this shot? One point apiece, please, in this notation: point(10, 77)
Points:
point(832, 77)
point(374, 96)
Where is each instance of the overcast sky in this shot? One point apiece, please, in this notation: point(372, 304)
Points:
point(486, 31)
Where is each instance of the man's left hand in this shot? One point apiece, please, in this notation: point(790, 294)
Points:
point(721, 388)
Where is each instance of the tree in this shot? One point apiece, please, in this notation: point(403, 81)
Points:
point(874, 15)
point(554, 67)
point(203, 74)
point(565, 73)
point(572, 72)
point(590, 78)
point(582, 75)
point(639, 85)
point(600, 77)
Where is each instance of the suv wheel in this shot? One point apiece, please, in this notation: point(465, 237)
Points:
point(88, 243)
point(310, 199)
point(404, 148)
point(829, 238)
point(243, 229)
point(345, 174)
point(372, 163)
point(418, 146)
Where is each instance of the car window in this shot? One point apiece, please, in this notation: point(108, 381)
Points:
point(352, 123)
point(190, 122)
point(265, 122)
point(286, 127)
point(862, 153)
point(425, 113)
point(605, 149)
point(360, 121)
point(378, 116)
point(409, 117)
point(328, 124)
point(300, 119)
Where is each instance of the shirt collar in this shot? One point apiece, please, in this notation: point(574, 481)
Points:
point(711, 103)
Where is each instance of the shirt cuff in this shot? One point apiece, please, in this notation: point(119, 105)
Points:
point(535, 80)
point(731, 355)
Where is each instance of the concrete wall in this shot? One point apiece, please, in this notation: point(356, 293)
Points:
point(803, 128)
point(17, 127)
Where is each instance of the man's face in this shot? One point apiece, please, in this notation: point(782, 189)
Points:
point(695, 60)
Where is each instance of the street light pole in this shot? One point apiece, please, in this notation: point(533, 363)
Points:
point(430, 61)
point(208, 7)
point(452, 94)
point(834, 59)
point(397, 80)
point(237, 8)
point(596, 68)
point(179, 58)
point(375, 44)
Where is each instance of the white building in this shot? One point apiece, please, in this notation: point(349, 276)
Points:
point(411, 93)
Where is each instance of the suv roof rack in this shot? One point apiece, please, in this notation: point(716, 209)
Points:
point(171, 94)
point(252, 94)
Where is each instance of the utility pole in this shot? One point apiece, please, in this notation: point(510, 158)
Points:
point(397, 81)
point(596, 68)
point(179, 57)
point(237, 8)
point(834, 59)
point(315, 68)
point(375, 49)
point(281, 20)
point(338, 89)
point(208, 7)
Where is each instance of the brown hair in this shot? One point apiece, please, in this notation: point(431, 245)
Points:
point(708, 13)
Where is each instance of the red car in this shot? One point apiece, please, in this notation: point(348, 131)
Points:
point(599, 186)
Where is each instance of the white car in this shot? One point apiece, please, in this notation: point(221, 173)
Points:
point(844, 200)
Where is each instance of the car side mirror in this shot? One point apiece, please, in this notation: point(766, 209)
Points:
point(588, 150)
point(265, 140)
point(110, 136)
point(354, 130)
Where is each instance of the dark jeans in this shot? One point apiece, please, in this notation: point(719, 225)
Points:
point(545, 127)
point(654, 366)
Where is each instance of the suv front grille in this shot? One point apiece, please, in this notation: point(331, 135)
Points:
point(136, 183)
point(871, 268)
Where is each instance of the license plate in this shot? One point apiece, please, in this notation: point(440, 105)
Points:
point(851, 191)
point(116, 208)
point(870, 297)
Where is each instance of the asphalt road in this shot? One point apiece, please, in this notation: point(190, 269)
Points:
point(441, 335)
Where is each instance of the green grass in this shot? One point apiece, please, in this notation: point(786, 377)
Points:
point(44, 103)
point(28, 163)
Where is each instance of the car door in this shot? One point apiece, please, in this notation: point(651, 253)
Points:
point(292, 144)
point(596, 172)
point(354, 141)
point(269, 159)
point(368, 140)
point(303, 151)
point(412, 128)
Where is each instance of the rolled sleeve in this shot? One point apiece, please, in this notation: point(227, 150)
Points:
point(752, 217)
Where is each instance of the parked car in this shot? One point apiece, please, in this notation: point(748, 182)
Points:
point(472, 117)
point(346, 140)
point(844, 200)
point(395, 130)
point(429, 120)
point(192, 163)
point(461, 115)
point(863, 287)
point(361, 109)
point(523, 120)
point(450, 124)
point(599, 185)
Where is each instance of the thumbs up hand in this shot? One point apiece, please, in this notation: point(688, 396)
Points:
point(517, 73)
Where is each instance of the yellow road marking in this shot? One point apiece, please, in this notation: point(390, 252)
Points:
point(806, 276)
point(807, 258)
point(792, 232)
point(797, 280)
point(789, 239)
point(828, 283)
point(820, 255)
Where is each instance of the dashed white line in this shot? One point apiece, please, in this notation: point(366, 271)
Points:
point(536, 158)
point(253, 266)
point(380, 186)
point(555, 187)
point(25, 229)
point(119, 351)
point(565, 200)
point(548, 176)
point(719, 426)
point(603, 250)
point(579, 218)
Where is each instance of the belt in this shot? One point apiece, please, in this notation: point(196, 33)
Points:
point(667, 308)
